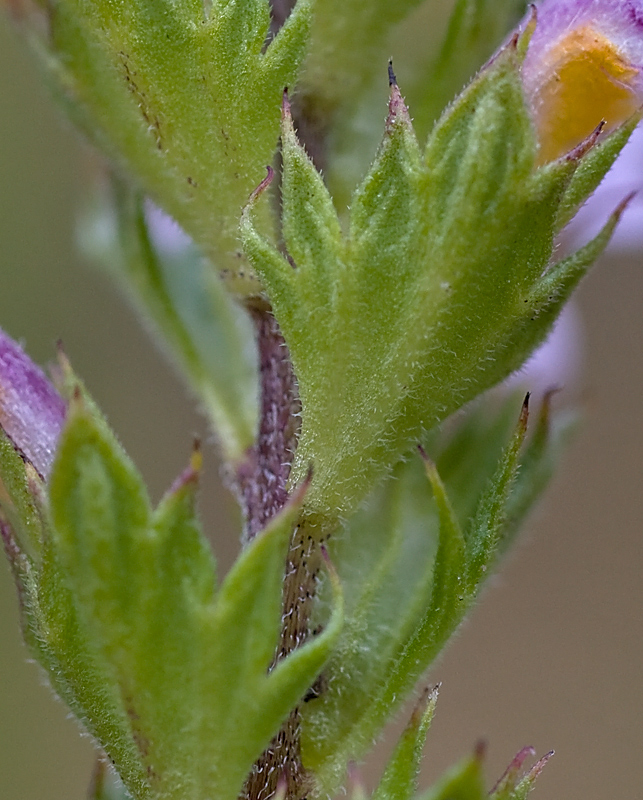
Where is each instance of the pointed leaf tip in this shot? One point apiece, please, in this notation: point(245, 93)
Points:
point(587, 144)
point(392, 80)
point(516, 786)
point(196, 459)
point(524, 413)
point(509, 777)
point(480, 750)
point(397, 110)
point(424, 708)
point(265, 183)
point(399, 781)
point(286, 110)
point(538, 767)
point(332, 574)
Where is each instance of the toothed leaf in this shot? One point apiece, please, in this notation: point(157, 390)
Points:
point(190, 667)
point(184, 94)
point(431, 296)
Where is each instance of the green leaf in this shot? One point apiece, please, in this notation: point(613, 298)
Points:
point(19, 482)
point(310, 224)
point(186, 98)
point(405, 312)
point(554, 288)
point(400, 778)
point(208, 334)
point(412, 565)
point(463, 782)
point(191, 667)
point(49, 618)
point(486, 529)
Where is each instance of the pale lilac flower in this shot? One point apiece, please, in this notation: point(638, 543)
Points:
point(32, 413)
point(583, 66)
point(166, 234)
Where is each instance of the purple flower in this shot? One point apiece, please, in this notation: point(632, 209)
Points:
point(166, 234)
point(32, 413)
point(583, 67)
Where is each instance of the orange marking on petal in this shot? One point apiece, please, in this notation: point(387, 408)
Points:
point(587, 80)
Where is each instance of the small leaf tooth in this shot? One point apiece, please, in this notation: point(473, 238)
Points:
point(286, 110)
point(622, 206)
point(11, 546)
point(397, 110)
point(333, 576)
point(189, 478)
point(557, 284)
point(587, 144)
point(265, 183)
point(196, 459)
point(425, 706)
point(61, 371)
point(99, 779)
point(392, 80)
point(510, 775)
point(524, 413)
point(480, 751)
point(538, 767)
point(297, 496)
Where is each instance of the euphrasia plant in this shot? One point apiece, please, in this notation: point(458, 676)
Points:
point(328, 324)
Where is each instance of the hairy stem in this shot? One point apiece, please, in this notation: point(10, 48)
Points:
point(262, 484)
point(262, 478)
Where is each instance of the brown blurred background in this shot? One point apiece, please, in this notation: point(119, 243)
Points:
point(553, 656)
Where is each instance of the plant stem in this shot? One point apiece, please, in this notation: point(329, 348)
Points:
point(262, 484)
point(262, 479)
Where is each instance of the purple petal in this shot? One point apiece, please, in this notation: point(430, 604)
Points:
point(32, 412)
point(584, 66)
point(620, 21)
point(166, 234)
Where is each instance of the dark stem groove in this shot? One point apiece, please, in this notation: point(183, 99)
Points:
point(262, 487)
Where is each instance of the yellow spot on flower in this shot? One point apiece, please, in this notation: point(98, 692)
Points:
point(587, 80)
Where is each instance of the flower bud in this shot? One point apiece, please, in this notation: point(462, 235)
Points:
point(32, 412)
point(583, 68)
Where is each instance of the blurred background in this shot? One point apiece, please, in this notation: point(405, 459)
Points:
point(553, 655)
